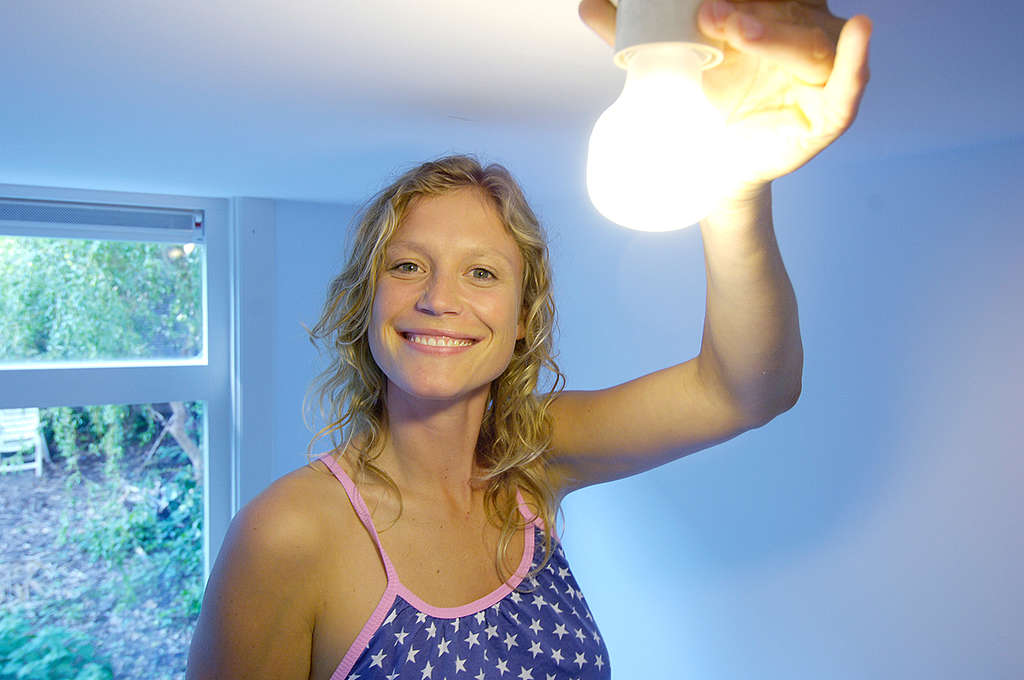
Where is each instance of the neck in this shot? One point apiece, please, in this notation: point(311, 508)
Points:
point(430, 451)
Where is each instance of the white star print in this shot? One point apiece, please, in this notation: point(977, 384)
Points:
point(510, 611)
point(353, 676)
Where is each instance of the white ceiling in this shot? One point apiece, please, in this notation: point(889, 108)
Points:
point(324, 99)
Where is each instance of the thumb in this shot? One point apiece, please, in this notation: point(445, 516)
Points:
point(850, 73)
point(599, 15)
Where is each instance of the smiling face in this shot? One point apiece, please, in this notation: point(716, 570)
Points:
point(447, 307)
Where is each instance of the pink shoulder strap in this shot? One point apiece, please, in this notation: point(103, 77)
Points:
point(359, 505)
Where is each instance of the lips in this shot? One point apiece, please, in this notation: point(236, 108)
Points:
point(440, 339)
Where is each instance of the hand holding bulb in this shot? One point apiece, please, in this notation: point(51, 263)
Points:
point(790, 82)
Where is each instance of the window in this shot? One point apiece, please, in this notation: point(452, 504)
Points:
point(102, 554)
point(99, 300)
point(148, 336)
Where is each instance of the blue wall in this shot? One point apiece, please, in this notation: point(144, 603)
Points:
point(868, 532)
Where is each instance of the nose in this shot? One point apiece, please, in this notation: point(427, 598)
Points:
point(440, 296)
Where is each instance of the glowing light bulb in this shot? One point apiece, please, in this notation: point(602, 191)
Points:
point(657, 159)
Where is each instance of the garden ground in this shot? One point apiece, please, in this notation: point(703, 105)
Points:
point(58, 584)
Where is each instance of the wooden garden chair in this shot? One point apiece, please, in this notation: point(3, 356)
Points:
point(20, 429)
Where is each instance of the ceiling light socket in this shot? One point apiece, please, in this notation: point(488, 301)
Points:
point(641, 22)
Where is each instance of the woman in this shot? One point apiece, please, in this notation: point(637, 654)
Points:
point(419, 548)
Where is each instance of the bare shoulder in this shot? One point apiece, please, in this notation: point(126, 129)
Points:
point(291, 514)
point(265, 589)
point(285, 523)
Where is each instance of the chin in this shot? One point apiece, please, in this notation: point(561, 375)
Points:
point(440, 392)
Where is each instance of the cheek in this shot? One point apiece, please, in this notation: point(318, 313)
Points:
point(375, 330)
point(502, 313)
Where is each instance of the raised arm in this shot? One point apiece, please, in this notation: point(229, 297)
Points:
point(791, 84)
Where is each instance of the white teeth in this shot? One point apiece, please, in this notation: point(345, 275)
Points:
point(438, 341)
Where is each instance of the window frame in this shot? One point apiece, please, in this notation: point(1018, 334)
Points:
point(212, 377)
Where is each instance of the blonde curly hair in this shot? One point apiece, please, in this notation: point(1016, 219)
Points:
point(516, 430)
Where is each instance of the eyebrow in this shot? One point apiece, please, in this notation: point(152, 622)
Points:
point(474, 253)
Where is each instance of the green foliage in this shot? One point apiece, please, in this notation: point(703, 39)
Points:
point(28, 652)
point(138, 515)
point(78, 299)
point(148, 529)
point(99, 431)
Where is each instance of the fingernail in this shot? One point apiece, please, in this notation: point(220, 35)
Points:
point(720, 9)
point(751, 28)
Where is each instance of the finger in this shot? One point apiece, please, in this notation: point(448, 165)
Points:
point(845, 87)
point(799, 45)
point(599, 15)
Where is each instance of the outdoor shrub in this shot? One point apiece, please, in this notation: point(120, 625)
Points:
point(49, 653)
point(151, 532)
point(107, 425)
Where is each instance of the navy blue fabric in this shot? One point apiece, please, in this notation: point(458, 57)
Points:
point(543, 630)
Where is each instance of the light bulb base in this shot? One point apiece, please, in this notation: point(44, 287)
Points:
point(641, 22)
point(709, 56)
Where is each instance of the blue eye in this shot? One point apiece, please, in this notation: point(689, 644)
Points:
point(406, 267)
point(482, 274)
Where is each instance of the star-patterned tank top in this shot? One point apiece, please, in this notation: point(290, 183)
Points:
point(536, 628)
